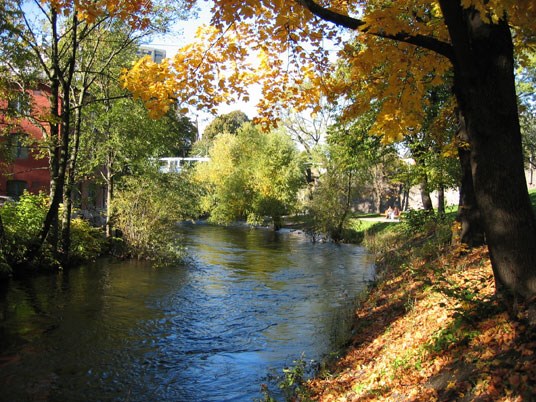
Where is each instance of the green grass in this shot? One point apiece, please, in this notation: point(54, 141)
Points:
point(532, 195)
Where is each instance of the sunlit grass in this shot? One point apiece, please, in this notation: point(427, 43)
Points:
point(532, 195)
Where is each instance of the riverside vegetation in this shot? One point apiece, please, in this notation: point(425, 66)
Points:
point(431, 328)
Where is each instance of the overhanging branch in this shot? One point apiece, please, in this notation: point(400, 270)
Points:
point(426, 42)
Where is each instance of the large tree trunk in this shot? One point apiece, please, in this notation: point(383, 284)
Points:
point(472, 232)
point(484, 87)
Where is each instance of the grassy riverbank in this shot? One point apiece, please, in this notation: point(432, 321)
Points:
point(430, 329)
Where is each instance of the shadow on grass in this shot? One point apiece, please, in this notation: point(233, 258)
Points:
point(384, 305)
point(490, 368)
point(379, 227)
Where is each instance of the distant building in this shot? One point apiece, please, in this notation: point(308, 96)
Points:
point(28, 165)
point(24, 158)
point(157, 55)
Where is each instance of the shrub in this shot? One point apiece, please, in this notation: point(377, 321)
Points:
point(87, 242)
point(416, 220)
point(147, 210)
point(22, 223)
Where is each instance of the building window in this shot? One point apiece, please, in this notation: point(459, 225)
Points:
point(15, 188)
point(19, 105)
point(19, 149)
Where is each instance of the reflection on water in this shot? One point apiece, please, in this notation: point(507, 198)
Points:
point(249, 302)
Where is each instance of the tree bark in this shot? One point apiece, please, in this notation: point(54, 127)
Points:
point(441, 200)
point(59, 140)
point(70, 180)
point(472, 232)
point(485, 90)
point(482, 57)
point(110, 182)
point(425, 194)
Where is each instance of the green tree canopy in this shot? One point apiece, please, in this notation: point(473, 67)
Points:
point(226, 123)
point(251, 175)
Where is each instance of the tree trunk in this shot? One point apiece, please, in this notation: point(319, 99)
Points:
point(441, 200)
point(472, 232)
point(2, 234)
point(110, 182)
point(70, 183)
point(338, 235)
point(485, 90)
point(404, 206)
point(377, 187)
point(59, 133)
point(425, 194)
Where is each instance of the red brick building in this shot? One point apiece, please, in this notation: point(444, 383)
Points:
point(26, 165)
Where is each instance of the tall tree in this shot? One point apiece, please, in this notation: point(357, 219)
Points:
point(472, 37)
point(59, 35)
point(226, 123)
point(251, 175)
point(481, 53)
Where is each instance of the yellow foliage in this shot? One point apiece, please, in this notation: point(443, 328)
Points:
point(282, 48)
point(133, 11)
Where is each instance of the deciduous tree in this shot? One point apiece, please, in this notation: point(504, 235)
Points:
point(57, 33)
point(251, 176)
point(227, 123)
point(473, 38)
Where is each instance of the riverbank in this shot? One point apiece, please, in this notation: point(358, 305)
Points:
point(431, 329)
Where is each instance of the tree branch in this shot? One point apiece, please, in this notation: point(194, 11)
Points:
point(426, 42)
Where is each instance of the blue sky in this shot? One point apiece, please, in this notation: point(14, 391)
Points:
point(183, 33)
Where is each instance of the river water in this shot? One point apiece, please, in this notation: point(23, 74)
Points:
point(246, 305)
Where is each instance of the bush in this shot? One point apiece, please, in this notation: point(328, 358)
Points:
point(416, 220)
point(87, 242)
point(146, 211)
point(22, 223)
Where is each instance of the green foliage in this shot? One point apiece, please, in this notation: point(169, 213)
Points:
point(87, 242)
point(356, 165)
point(293, 381)
point(532, 195)
point(22, 223)
point(251, 175)
point(123, 137)
point(331, 202)
point(455, 334)
point(416, 220)
point(147, 208)
point(228, 123)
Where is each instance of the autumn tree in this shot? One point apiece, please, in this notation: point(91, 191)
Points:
point(472, 38)
point(480, 48)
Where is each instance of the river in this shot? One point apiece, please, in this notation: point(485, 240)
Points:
point(246, 304)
